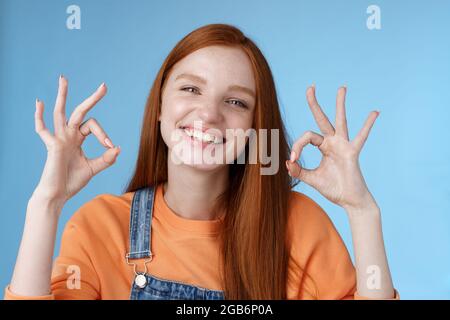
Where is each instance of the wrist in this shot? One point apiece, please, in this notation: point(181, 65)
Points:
point(47, 206)
point(368, 207)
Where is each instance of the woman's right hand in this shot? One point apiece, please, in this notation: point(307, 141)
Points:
point(67, 169)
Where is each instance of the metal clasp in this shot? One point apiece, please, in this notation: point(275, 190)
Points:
point(140, 280)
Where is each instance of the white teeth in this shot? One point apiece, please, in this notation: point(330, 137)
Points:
point(205, 137)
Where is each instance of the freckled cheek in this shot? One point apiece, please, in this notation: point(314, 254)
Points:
point(239, 124)
point(180, 107)
point(239, 121)
point(173, 111)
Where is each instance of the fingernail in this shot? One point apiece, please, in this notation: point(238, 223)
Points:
point(344, 86)
point(313, 85)
point(102, 85)
point(61, 76)
point(292, 156)
point(37, 100)
point(109, 143)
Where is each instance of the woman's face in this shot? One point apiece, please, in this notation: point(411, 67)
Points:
point(208, 96)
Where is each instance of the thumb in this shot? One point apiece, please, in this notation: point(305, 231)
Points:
point(107, 159)
point(303, 174)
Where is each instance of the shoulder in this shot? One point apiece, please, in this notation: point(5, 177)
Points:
point(318, 249)
point(310, 227)
point(103, 210)
point(307, 213)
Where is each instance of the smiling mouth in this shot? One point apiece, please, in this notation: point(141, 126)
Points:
point(202, 136)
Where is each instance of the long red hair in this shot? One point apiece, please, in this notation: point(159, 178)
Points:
point(255, 248)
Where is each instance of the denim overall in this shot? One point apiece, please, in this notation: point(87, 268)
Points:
point(146, 286)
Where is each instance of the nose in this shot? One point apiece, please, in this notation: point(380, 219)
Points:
point(210, 114)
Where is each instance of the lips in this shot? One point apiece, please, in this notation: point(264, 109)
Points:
point(213, 136)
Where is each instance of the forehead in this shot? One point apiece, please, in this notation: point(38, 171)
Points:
point(218, 64)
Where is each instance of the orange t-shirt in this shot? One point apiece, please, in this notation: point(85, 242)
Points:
point(95, 240)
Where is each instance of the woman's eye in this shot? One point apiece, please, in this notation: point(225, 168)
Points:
point(232, 101)
point(239, 103)
point(190, 89)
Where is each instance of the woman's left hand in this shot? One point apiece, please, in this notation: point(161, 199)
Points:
point(338, 176)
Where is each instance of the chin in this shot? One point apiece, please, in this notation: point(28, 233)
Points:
point(189, 160)
point(206, 167)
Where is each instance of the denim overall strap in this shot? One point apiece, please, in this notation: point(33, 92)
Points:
point(147, 286)
point(140, 223)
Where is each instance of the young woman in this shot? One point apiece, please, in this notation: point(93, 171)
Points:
point(187, 229)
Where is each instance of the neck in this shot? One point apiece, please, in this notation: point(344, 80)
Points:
point(191, 193)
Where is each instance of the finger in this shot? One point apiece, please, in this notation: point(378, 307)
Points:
point(361, 138)
point(92, 126)
point(39, 124)
point(308, 137)
point(341, 119)
point(321, 119)
point(59, 113)
point(108, 158)
point(80, 111)
point(303, 174)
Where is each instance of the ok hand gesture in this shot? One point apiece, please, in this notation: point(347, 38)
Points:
point(338, 177)
point(67, 169)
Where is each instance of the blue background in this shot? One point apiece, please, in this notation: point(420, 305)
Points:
point(403, 70)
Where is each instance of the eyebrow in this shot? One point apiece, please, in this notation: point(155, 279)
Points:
point(199, 79)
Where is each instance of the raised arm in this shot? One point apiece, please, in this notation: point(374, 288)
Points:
point(339, 179)
point(67, 170)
